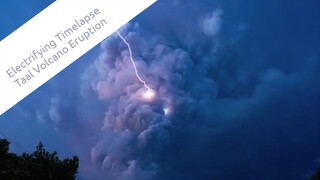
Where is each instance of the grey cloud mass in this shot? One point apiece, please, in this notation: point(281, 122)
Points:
point(237, 95)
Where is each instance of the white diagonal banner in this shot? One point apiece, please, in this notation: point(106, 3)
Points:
point(55, 38)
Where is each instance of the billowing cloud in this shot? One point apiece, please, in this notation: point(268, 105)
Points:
point(211, 25)
point(54, 111)
point(230, 100)
point(135, 129)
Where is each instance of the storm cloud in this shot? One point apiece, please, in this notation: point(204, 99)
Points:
point(237, 95)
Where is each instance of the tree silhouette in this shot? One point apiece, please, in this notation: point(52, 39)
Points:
point(38, 165)
point(316, 176)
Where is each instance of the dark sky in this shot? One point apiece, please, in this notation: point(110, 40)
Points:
point(240, 81)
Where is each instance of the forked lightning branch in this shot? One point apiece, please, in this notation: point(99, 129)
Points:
point(41, 58)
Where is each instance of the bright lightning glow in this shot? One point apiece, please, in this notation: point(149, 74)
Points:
point(133, 63)
point(149, 94)
point(166, 111)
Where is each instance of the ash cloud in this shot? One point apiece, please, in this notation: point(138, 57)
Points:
point(242, 104)
point(211, 25)
point(137, 131)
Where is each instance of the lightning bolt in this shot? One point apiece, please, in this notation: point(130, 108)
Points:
point(149, 94)
point(133, 63)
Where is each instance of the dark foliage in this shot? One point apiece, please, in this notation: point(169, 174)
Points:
point(316, 176)
point(38, 165)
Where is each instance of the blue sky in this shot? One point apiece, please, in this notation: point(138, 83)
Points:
point(241, 80)
point(16, 12)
